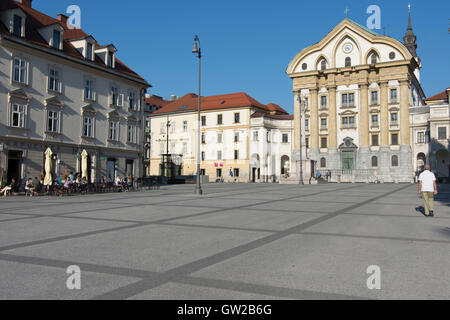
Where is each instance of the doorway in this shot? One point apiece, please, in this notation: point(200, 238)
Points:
point(14, 165)
point(111, 169)
point(348, 160)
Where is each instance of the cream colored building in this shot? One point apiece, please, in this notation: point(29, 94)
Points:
point(430, 125)
point(60, 89)
point(358, 88)
point(228, 138)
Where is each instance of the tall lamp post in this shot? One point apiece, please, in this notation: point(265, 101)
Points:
point(197, 50)
point(301, 106)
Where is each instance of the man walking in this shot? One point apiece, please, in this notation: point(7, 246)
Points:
point(428, 189)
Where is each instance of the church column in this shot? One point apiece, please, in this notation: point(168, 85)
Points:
point(314, 119)
point(384, 121)
point(404, 113)
point(364, 114)
point(364, 161)
point(406, 168)
point(332, 131)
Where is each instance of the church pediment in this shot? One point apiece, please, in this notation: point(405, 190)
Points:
point(20, 94)
point(347, 39)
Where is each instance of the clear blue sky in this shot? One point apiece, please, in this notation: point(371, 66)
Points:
point(247, 44)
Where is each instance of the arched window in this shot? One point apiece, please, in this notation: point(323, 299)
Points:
point(374, 58)
point(394, 161)
point(348, 62)
point(374, 162)
point(323, 162)
point(323, 64)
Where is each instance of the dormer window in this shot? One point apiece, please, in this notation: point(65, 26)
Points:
point(56, 44)
point(110, 59)
point(89, 51)
point(17, 26)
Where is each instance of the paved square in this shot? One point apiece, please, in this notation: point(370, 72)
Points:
point(238, 241)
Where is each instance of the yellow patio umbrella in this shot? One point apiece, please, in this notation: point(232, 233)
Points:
point(48, 167)
point(84, 164)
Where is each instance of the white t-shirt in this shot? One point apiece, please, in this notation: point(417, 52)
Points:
point(427, 178)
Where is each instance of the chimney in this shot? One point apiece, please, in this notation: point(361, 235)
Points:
point(173, 97)
point(63, 18)
point(26, 3)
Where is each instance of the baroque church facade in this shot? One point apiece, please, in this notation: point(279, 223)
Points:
point(353, 93)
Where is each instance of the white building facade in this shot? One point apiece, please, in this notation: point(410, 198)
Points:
point(65, 92)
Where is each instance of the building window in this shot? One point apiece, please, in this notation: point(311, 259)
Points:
point(116, 98)
point(307, 142)
point(375, 140)
point(348, 122)
point(236, 137)
point(185, 126)
point(89, 51)
point(132, 134)
point(20, 70)
point(323, 102)
point(306, 102)
point(237, 118)
point(17, 26)
point(54, 83)
point(52, 121)
point(442, 133)
point(373, 58)
point(89, 89)
point(219, 155)
point(236, 172)
point(348, 62)
point(236, 154)
point(323, 123)
point(219, 119)
point(421, 137)
point(56, 39)
point(306, 124)
point(323, 162)
point(255, 136)
point(110, 59)
point(203, 138)
point(132, 101)
point(348, 99)
point(18, 116)
point(219, 138)
point(374, 162)
point(394, 139)
point(88, 129)
point(219, 173)
point(394, 161)
point(374, 97)
point(393, 95)
point(113, 131)
point(285, 138)
point(323, 64)
point(323, 143)
point(203, 121)
point(203, 156)
point(374, 120)
point(184, 147)
point(394, 118)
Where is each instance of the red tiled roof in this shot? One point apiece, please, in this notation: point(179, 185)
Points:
point(189, 102)
point(156, 101)
point(439, 96)
point(36, 20)
point(276, 108)
point(273, 116)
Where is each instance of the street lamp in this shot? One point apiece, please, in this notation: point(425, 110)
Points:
point(301, 106)
point(197, 50)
